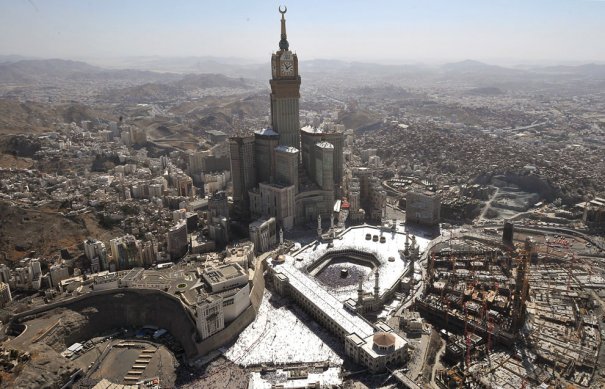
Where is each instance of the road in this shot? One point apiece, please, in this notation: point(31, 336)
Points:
point(437, 357)
point(534, 124)
point(488, 204)
point(558, 230)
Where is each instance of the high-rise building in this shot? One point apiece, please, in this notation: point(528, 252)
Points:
point(285, 91)
point(5, 294)
point(149, 252)
point(263, 234)
point(96, 249)
point(290, 192)
point(35, 267)
point(195, 162)
point(265, 141)
point(210, 317)
point(286, 165)
point(324, 165)
point(423, 207)
point(218, 205)
point(5, 273)
point(594, 213)
point(58, 273)
point(508, 233)
point(243, 172)
point(310, 136)
point(125, 252)
point(274, 200)
point(176, 237)
point(336, 139)
point(366, 194)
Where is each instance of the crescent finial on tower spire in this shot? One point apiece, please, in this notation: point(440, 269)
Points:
point(283, 43)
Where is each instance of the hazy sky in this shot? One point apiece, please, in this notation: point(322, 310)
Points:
point(397, 31)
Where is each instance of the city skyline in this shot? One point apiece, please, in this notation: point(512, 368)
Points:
point(395, 32)
point(338, 225)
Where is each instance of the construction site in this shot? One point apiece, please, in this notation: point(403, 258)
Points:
point(518, 312)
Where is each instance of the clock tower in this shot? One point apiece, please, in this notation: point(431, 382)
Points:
point(285, 91)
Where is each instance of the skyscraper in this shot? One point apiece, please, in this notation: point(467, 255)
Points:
point(324, 166)
point(286, 162)
point(243, 171)
point(265, 141)
point(285, 91)
point(310, 136)
point(268, 178)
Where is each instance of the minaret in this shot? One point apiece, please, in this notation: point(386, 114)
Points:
point(376, 285)
point(319, 226)
point(360, 292)
point(281, 236)
point(415, 248)
point(406, 251)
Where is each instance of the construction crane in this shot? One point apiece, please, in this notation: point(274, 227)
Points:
point(489, 328)
point(431, 268)
point(521, 289)
point(570, 270)
point(467, 338)
point(490, 331)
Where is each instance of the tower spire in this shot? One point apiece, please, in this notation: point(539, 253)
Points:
point(283, 43)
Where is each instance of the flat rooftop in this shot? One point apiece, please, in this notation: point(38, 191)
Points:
point(223, 273)
point(286, 149)
point(354, 238)
point(312, 130)
point(330, 305)
point(215, 132)
point(266, 132)
point(324, 145)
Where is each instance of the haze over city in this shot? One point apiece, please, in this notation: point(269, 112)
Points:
point(311, 195)
point(499, 32)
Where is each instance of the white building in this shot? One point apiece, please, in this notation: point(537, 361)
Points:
point(242, 254)
point(176, 237)
point(263, 234)
point(96, 249)
point(5, 294)
point(377, 351)
point(210, 318)
point(58, 273)
point(274, 200)
point(5, 273)
point(231, 298)
point(422, 207)
point(225, 277)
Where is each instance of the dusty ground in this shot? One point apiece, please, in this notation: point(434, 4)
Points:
point(49, 334)
point(30, 117)
point(10, 161)
point(44, 337)
point(119, 361)
point(44, 231)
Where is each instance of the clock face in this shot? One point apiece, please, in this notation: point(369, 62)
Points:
point(287, 69)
